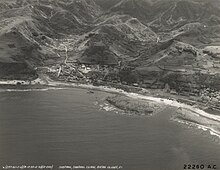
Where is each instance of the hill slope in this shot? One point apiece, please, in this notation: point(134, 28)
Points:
point(155, 42)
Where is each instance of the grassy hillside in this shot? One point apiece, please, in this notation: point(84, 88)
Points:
point(149, 42)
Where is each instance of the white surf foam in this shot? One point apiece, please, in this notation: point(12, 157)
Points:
point(211, 131)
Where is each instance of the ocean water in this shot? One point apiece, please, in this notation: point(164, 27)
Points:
point(70, 127)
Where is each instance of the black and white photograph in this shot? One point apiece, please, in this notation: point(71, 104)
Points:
point(110, 84)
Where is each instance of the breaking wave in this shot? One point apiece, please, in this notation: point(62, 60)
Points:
point(204, 128)
point(27, 90)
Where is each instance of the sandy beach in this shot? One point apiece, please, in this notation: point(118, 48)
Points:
point(185, 112)
point(191, 114)
point(37, 81)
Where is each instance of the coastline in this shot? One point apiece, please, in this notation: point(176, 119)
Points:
point(139, 96)
point(185, 112)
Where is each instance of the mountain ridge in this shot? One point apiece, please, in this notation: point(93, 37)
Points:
point(139, 38)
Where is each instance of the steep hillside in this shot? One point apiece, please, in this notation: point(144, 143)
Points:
point(29, 30)
point(181, 66)
point(168, 14)
point(107, 4)
point(123, 36)
point(152, 43)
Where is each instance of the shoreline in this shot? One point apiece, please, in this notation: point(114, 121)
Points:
point(174, 103)
point(186, 109)
point(140, 96)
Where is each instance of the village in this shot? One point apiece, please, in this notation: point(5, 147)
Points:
point(109, 73)
point(76, 72)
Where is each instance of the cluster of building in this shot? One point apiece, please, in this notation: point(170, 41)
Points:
point(72, 72)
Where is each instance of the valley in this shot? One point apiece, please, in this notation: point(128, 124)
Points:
point(170, 45)
point(133, 84)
